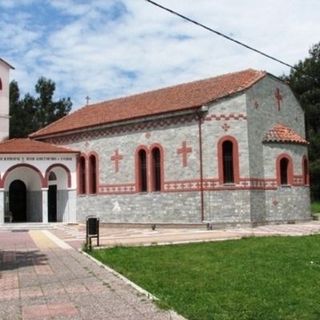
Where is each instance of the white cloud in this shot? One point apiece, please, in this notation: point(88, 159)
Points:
point(14, 3)
point(109, 48)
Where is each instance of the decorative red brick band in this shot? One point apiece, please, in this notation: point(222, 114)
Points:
point(214, 185)
point(121, 129)
point(182, 185)
point(194, 185)
point(298, 180)
point(225, 117)
point(127, 188)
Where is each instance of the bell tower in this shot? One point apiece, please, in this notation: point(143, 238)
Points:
point(4, 99)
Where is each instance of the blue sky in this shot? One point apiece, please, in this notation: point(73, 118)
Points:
point(110, 48)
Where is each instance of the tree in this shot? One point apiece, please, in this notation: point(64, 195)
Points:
point(32, 113)
point(305, 83)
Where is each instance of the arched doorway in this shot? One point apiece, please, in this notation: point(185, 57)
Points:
point(52, 198)
point(18, 201)
point(59, 180)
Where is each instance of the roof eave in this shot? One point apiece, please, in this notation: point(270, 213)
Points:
point(132, 120)
point(287, 141)
point(6, 63)
point(39, 152)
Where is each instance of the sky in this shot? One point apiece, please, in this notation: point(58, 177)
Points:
point(110, 48)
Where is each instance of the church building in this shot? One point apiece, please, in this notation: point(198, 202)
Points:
point(225, 150)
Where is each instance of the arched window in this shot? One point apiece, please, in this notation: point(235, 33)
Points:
point(305, 169)
point(92, 174)
point(82, 175)
point(284, 170)
point(227, 156)
point(228, 160)
point(142, 171)
point(156, 169)
point(52, 176)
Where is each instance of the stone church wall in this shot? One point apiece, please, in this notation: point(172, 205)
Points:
point(284, 203)
point(180, 200)
point(254, 198)
point(152, 207)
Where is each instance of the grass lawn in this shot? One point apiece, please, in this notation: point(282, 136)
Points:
point(315, 207)
point(254, 278)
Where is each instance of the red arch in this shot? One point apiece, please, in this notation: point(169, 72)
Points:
point(61, 166)
point(290, 168)
point(150, 165)
point(137, 167)
point(79, 179)
point(235, 156)
point(42, 179)
point(305, 170)
point(89, 173)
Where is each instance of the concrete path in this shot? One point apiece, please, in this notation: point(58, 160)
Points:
point(43, 278)
point(111, 236)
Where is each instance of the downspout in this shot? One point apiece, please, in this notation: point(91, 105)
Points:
point(201, 112)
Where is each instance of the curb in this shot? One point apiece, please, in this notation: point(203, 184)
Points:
point(173, 315)
point(165, 243)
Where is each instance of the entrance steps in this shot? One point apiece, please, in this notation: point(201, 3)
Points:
point(26, 226)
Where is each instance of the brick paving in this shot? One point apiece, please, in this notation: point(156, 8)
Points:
point(39, 282)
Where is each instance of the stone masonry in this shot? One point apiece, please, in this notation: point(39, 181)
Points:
point(246, 117)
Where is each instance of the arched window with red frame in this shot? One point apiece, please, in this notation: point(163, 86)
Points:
point(156, 169)
point(228, 160)
point(284, 170)
point(82, 175)
point(142, 171)
point(305, 170)
point(92, 174)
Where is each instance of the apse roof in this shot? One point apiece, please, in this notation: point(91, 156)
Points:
point(283, 134)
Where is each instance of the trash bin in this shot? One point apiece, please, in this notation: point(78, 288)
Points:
point(92, 230)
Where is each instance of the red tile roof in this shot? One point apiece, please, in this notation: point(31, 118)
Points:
point(175, 98)
point(281, 133)
point(31, 146)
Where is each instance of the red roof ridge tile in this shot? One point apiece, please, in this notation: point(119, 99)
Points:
point(178, 97)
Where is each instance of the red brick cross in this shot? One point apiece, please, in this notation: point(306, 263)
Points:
point(116, 158)
point(278, 97)
point(184, 150)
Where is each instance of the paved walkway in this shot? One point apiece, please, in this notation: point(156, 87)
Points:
point(111, 236)
point(43, 278)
